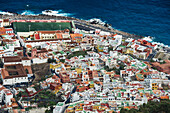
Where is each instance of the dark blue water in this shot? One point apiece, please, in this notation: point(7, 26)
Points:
point(142, 17)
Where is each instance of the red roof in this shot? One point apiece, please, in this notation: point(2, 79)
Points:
point(37, 36)
point(9, 29)
point(11, 34)
point(116, 75)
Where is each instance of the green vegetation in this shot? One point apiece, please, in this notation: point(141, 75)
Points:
point(159, 59)
point(152, 60)
point(117, 71)
point(151, 107)
point(51, 60)
point(77, 53)
point(43, 99)
point(162, 62)
point(62, 60)
point(73, 68)
point(1, 81)
point(37, 26)
point(1, 64)
point(22, 93)
point(29, 54)
point(110, 49)
point(165, 86)
point(107, 68)
point(145, 76)
point(154, 68)
point(50, 110)
point(37, 87)
point(121, 66)
point(28, 108)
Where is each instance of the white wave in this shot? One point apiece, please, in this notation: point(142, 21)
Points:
point(99, 21)
point(149, 39)
point(161, 44)
point(28, 12)
point(5, 13)
point(55, 13)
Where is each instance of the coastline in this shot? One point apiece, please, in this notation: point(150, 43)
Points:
point(45, 17)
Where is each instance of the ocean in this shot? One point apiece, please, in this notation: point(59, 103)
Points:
point(141, 17)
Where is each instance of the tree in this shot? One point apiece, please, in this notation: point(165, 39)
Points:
point(145, 76)
point(152, 60)
point(1, 64)
point(29, 54)
point(159, 59)
point(26, 70)
point(62, 60)
point(1, 81)
point(49, 60)
point(123, 110)
point(151, 107)
point(162, 62)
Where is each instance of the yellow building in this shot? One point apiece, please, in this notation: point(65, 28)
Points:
point(54, 66)
point(99, 48)
point(95, 107)
point(129, 51)
point(154, 86)
point(78, 70)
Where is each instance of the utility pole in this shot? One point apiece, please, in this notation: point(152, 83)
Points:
point(29, 27)
point(60, 27)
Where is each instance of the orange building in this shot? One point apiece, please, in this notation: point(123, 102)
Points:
point(139, 77)
point(76, 37)
point(81, 88)
point(2, 31)
point(64, 77)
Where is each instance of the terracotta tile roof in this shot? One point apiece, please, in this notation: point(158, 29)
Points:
point(73, 36)
point(5, 20)
point(18, 48)
point(59, 35)
point(2, 87)
point(25, 58)
point(15, 111)
point(46, 40)
point(2, 31)
point(13, 71)
point(11, 59)
point(37, 37)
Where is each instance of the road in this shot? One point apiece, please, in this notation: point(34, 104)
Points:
point(68, 99)
point(87, 26)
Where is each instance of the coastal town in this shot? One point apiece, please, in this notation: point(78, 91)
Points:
point(71, 66)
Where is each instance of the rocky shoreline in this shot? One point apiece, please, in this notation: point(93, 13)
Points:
point(45, 17)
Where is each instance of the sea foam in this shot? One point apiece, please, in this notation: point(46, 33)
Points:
point(5, 13)
point(28, 12)
point(55, 13)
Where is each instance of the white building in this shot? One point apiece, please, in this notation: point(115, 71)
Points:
point(5, 95)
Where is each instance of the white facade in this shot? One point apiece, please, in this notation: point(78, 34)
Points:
point(34, 43)
point(39, 61)
point(26, 62)
point(5, 95)
point(12, 81)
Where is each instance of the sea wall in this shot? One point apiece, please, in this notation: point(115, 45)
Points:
point(46, 17)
